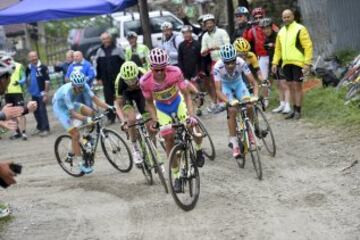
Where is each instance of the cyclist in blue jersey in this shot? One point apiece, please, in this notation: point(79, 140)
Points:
point(230, 87)
point(67, 110)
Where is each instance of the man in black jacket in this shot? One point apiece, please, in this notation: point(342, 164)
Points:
point(109, 59)
point(38, 82)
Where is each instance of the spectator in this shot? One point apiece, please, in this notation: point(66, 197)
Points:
point(82, 65)
point(109, 59)
point(294, 47)
point(38, 82)
point(137, 52)
point(14, 95)
point(256, 37)
point(171, 42)
point(242, 22)
point(63, 67)
point(211, 42)
point(182, 15)
point(284, 91)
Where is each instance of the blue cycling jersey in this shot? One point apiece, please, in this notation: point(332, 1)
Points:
point(65, 97)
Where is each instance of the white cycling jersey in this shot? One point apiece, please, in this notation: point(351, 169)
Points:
point(221, 74)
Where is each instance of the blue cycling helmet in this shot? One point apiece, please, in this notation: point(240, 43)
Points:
point(77, 78)
point(240, 11)
point(227, 53)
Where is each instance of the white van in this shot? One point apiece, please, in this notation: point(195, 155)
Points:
point(131, 22)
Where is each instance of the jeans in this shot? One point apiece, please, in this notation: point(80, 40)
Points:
point(41, 114)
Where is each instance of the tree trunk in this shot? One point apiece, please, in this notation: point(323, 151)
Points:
point(145, 22)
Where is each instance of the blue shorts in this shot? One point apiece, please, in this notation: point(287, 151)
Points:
point(63, 115)
point(235, 89)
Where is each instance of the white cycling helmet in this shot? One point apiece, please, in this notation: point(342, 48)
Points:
point(166, 25)
point(7, 65)
point(158, 58)
point(77, 78)
point(186, 28)
point(207, 17)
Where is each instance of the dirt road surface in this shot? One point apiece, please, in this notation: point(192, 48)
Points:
point(304, 194)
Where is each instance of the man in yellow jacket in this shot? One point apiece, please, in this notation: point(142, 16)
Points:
point(294, 47)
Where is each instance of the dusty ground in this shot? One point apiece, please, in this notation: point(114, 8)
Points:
point(304, 194)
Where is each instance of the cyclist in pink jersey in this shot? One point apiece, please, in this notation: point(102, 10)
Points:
point(167, 95)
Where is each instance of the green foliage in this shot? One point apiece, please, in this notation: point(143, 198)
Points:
point(346, 55)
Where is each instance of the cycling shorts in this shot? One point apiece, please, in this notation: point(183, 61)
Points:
point(235, 89)
point(64, 115)
point(165, 111)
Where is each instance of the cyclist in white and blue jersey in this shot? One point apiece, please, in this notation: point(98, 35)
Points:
point(230, 87)
point(66, 110)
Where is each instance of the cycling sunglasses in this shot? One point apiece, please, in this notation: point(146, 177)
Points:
point(158, 69)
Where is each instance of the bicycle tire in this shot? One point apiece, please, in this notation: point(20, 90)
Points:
point(59, 158)
point(145, 166)
point(209, 153)
point(129, 163)
point(157, 168)
point(194, 193)
point(271, 150)
point(254, 151)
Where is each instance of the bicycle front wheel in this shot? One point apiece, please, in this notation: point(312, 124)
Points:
point(116, 150)
point(158, 166)
point(63, 148)
point(207, 143)
point(254, 150)
point(189, 178)
point(265, 132)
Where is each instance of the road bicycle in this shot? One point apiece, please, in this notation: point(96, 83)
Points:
point(183, 155)
point(115, 149)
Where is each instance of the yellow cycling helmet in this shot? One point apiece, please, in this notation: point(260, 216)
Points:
point(242, 45)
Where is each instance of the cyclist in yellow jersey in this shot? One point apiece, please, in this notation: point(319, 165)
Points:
point(242, 47)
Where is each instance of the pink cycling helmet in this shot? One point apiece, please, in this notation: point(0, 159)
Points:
point(158, 58)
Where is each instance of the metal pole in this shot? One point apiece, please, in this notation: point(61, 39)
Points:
point(145, 22)
point(230, 16)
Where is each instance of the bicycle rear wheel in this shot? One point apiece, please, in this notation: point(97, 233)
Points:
point(254, 150)
point(157, 165)
point(187, 198)
point(63, 147)
point(116, 150)
point(265, 132)
point(207, 143)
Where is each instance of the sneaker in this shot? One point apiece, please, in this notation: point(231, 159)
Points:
point(287, 109)
point(177, 185)
point(137, 158)
point(24, 136)
point(35, 132)
point(290, 116)
point(236, 152)
point(211, 108)
point(86, 169)
point(4, 210)
point(297, 115)
point(200, 160)
point(44, 133)
point(279, 109)
point(15, 136)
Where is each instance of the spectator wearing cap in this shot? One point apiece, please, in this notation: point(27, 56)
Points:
point(256, 37)
point(294, 47)
point(137, 52)
point(109, 59)
point(211, 42)
point(189, 58)
point(171, 42)
point(242, 22)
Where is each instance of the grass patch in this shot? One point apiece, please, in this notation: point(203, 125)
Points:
point(346, 56)
point(326, 106)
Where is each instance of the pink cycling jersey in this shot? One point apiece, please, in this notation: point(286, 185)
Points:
point(168, 90)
